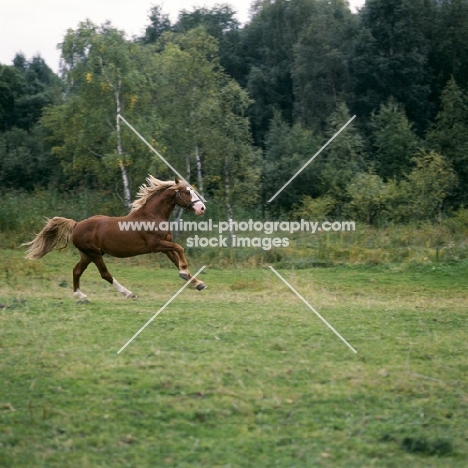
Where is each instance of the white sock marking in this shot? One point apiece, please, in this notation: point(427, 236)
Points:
point(122, 289)
point(79, 295)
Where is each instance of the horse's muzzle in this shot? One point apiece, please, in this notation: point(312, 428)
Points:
point(199, 208)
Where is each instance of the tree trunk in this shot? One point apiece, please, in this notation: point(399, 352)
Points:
point(123, 169)
point(199, 171)
point(126, 186)
point(180, 210)
point(175, 232)
point(187, 167)
point(227, 192)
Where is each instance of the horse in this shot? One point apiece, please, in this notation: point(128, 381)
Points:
point(99, 235)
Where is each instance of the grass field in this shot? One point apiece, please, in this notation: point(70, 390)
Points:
point(240, 375)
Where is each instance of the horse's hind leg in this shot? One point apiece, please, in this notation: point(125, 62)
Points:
point(173, 258)
point(101, 266)
point(80, 267)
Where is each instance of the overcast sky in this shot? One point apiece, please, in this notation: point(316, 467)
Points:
point(35, 27)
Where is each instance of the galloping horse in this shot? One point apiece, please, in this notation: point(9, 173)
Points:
point(100, 235)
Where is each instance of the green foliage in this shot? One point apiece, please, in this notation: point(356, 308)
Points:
point(449, 135)
point(420, 196)
point(186, 78)
point(105, 77)
point(344, 158)
point(235, 177)
point(159, 24)
point(370, 198)
point(458, 222)
point(314, 208)
point(320, 71)
point(216, 20)
point(25, 89)
point(447, 30)
point(268, 42)
point(196, 99)
point(394, 141)
point(390, 58)
point(428, 185)
point(25, 160)
point(22, 213)
point(239, 109)
point(287, 150)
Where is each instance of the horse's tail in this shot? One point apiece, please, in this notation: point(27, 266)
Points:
point(56, 234)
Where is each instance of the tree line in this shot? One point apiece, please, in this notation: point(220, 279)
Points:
point(239, 109)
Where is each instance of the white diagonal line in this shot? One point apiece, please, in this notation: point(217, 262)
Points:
point(311, 159)
point(313, 310)
point(159, 156)
point(161, 309)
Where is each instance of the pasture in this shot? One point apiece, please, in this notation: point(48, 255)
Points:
point(240, 375)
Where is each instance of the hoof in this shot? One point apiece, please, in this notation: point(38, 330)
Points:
point(131, 296)
point(184, 276)
point(79, 295)
point(201, 286)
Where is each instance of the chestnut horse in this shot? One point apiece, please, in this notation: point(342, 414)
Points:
point(100, 235)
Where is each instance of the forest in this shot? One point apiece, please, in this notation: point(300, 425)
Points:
point(238, 109)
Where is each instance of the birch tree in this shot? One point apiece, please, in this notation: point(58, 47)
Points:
point(104, 79)
point(205, 124)
point(234, 166)
point(187, 70)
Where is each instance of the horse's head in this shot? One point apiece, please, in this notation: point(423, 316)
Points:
point(187, 198)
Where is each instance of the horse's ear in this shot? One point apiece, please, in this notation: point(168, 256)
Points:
point(177, 180)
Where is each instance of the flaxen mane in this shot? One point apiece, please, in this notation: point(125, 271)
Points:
point(146, 191)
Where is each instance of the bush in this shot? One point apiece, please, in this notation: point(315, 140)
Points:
point(22, 213)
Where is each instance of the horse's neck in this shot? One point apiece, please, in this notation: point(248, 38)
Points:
point(159, 205)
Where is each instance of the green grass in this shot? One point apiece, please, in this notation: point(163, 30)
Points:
point(240, 375)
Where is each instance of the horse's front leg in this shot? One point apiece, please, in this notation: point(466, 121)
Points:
point(176, 254)
point(172, 255)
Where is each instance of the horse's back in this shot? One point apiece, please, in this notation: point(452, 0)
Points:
point(107, 234)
